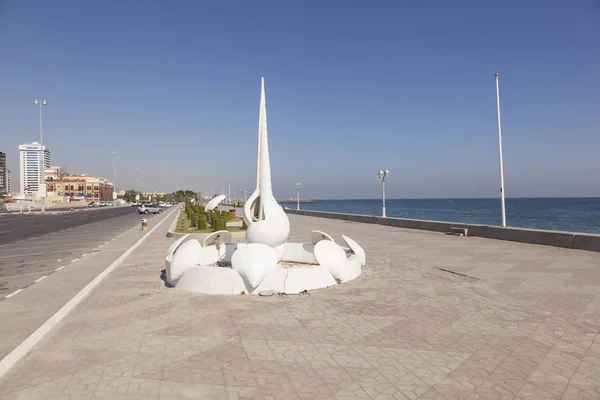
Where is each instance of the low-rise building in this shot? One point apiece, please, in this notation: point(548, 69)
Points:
point(81, 187)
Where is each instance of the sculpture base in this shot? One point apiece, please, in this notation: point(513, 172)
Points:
point(288, 278)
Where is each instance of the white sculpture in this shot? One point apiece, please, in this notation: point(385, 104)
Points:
point(266, 261)
point(214, 202)
point(266, 220)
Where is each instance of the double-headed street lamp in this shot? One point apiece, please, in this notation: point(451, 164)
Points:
point(298, 196)
point(383, 175)
point(42, 184)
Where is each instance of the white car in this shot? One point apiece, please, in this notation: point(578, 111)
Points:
point(149, 208)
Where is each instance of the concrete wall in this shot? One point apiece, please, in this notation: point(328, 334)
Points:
point(570, 240)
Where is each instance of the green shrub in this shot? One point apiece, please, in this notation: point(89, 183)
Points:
point(226, 215)
point(244, 226)
point(218, 224)
point(202, 222)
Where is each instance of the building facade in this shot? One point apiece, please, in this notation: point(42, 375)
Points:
point(3, 183)
point(30, 165)
point(8, 181)
point(53, 173)
point(81, 187)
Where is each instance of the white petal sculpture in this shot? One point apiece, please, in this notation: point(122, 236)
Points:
point(185, 257)
point(317, 236)
point(214, 202)
point(356, 249)
point(331, 256)
point(171, 249)
point(266, 261)
point(254, 262)
point(217, 238)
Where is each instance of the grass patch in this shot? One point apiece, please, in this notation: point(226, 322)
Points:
point(188, 225)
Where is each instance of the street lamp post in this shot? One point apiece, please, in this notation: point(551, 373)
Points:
point(114, 154)
point(500, 153)
point(383, 175)
point(42, 184)
point(138, 183)
point(298, 196)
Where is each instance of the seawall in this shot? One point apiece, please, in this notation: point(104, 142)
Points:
point(569, 240)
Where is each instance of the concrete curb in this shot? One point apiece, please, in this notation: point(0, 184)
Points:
point(568, 240)
point(171, 231)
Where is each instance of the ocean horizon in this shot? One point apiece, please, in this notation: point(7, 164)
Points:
point(570, 214)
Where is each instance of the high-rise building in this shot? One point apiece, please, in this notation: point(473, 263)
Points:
point(30, 164)
point(3, 172)
point(7, 180)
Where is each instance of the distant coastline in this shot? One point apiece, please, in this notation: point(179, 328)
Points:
point(294, 201)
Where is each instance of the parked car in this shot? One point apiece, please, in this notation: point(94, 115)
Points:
point(149, 208)
point(92, 204)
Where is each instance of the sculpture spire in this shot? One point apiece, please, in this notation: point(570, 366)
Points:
point(262, 208)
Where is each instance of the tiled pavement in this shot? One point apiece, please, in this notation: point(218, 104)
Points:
point(432, 317)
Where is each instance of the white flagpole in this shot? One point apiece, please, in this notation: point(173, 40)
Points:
point(500, 152)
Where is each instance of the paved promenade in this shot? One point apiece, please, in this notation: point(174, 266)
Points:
point(432, 317)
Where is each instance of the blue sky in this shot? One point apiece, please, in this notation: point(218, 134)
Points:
point(352, 87)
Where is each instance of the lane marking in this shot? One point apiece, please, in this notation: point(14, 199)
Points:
point(21, 275)
point(13, 293)
point(25, 347)
point(75, 259)
point(59, 268)
point(40, 279)
point(33, 254)
point(83, 255)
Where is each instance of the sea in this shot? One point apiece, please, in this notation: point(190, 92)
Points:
point(558, 214)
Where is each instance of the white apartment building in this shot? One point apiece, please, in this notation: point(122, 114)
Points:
point(30, 165)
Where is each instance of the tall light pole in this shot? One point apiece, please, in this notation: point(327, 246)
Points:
point(114, 154)
point(298, 196)
point(383, 175)
point(138, 183)
point(500, 153)
point(42, 184)
point(229, 196)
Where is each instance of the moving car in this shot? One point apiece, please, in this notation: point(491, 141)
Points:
point(149, 208)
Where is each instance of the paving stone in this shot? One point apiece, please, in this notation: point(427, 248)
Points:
point(520, 322)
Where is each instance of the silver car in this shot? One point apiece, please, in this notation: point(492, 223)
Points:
point(149, 208)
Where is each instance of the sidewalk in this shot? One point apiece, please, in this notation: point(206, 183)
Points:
point(432, 316)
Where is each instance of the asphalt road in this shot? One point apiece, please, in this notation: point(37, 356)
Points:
point(15, 227)
point(31, 246)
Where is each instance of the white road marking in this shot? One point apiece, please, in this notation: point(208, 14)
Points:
point(21, 275)
point(13, 293)
point(59, 268)
point(41, 279)
point(25, 347)
point(84, 254)
point(75, 259)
